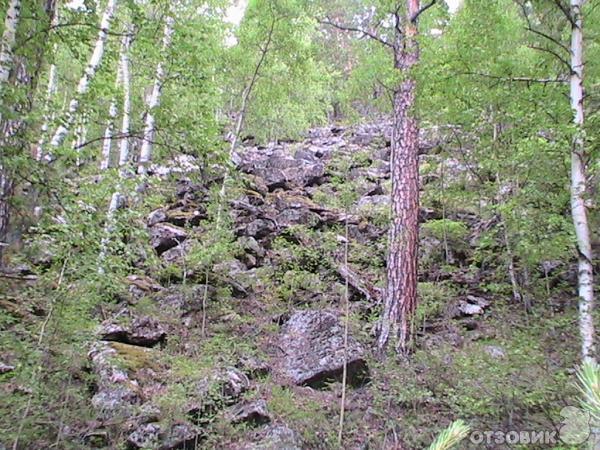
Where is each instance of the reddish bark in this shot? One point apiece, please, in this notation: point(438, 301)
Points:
point(401, 291)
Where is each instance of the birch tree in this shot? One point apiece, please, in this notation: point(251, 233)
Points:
point(124, 78)
point(6, 59)
point(49, 113)
point(90, 71)
point(110, 124)
point(154, 101)
point(20, 75)
point(575, 64)
point(126, 114)
point(11, 22)
point(579, 156)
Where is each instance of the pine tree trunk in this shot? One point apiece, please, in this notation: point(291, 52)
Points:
point(90, 71)
point(401, 291)
point(154, 102)
point(579, 187)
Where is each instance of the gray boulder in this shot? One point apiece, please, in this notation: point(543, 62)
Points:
point(279, 169)
point(157, 216)
point(152, 436)
point(222, 388)
point(6, 368)
point(253, 413)
point(277, 437)
point(177, 254)
point(164, 236)
point(313, 345)
point(144, 331)
point(117, 394)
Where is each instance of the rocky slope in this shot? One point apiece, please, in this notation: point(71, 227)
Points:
point(289, 196)
point(235, 338)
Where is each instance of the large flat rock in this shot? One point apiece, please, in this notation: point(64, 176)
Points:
point(313, 345)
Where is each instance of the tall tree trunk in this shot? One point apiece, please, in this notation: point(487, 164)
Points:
point(80, 137)
point(122, 67)
point(109, 227)
point(9, 36)
point(90, 71)
point(123, 76)
point(154, 102)
point(126, 118)
point(401, 291)
point(22, 74)
point(108, 135)
point(49, 113)
point(578, 188)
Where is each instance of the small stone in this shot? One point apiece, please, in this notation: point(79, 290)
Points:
point(254, 413)
point(469, 309)
point(278, 437)
point(156, 216)
point(152, 436)
point(495, 352)
point(6, 368)
point(165, 236)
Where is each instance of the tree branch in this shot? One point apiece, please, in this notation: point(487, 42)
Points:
point(519, 79)
point(540, 33)
point(565, 11)
point(327, 21)
point(550, 38)
point(553, 53)
point(414, 18)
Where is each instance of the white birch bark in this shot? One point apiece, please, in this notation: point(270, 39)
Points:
point(153, 103)
point(90, 71)
point(108, 135)
point(49, 114)
point(124, 79)
point(11, 22)
point(578, 188)
point(122, 73)
point(126, 118)
point(80, 137)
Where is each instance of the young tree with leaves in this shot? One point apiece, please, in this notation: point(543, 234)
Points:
point(275, 86)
